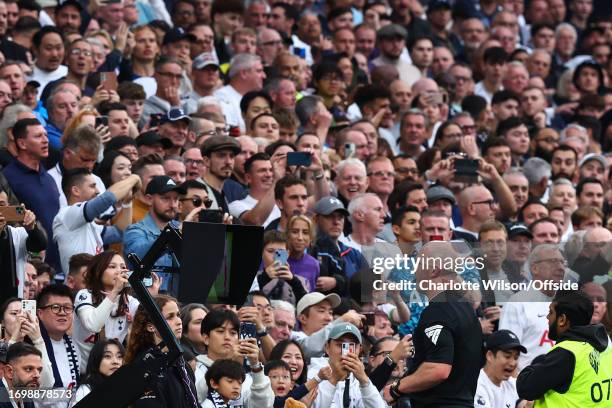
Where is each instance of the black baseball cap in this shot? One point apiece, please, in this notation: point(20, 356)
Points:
point(177, 34)
point(504, 340)
point(516, 229)
point(151, 138)
point(163, 185)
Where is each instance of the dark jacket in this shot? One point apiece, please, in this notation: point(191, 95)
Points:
point(169, 391)
point(555, 370)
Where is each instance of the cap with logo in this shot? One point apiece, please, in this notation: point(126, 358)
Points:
point(503, 340)
point(163, 185)
point(151, 138)
point(204, 60)
point(594, 156)
point(340, 329)
point(436, 193)
point(216, 143)
point(177, 34)
point(328, 205)
point(514, 230)
point(313, 298)
point(174, 115)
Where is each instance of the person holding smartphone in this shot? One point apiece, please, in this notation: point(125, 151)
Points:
point(20, 240)
point(221, 333)
point(349, 385)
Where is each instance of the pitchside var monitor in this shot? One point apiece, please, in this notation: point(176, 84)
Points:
point(219, 262)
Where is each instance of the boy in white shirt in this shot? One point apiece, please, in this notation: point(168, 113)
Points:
point(496, 385)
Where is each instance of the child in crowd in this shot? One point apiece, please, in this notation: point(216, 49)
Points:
point(279, 373)
point(224, 379)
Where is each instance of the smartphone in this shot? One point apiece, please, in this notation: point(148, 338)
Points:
point(299, 159)
point(349, 150)
point(101, 120)
point(248, 330)
point(29, 306)
point(148, 282)
point(211, 216)
point(281, 255)
point(466, 170)
point(348, 348)
point(13, 213)
point(108, 80)
point(155, 119)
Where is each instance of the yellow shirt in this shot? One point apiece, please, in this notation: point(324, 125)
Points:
point(139, 210)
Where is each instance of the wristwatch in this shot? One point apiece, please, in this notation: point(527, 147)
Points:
point(262, 333)
point(394, 390)
point(257, 367)
point(319, 176)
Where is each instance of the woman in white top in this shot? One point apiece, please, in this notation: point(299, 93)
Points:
point(105, 358)
point(104, 308)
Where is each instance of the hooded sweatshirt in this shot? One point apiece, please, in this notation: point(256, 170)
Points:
point(555, 370)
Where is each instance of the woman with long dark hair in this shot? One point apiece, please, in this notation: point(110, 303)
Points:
point(104, 308)
point(105, 358)
point(175, 386)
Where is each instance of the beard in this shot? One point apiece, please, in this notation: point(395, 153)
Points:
point(164, 216)
point(561, 175)
point(544, 154)
point(17, 383)
point(553, 332)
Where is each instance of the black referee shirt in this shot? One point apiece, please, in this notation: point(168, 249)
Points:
point(450, 333)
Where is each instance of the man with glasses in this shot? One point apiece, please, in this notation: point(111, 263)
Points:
point(79, 60)
point(194, 164)
point(477, 205)
point(54, 308)
point(269, 45)
point(193, 196)
point(405, 168)
point(168, 75)
point(525, 312)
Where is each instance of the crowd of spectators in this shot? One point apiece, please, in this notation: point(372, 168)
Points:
point(350, 131)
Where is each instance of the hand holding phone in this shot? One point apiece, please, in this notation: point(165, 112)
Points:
point(348, 348)
point(29, 307)
point(13, 213)
point(281, 256)
point(248, 330)
point(299, 159)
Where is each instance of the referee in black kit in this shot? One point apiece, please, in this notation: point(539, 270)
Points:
point(447, 340)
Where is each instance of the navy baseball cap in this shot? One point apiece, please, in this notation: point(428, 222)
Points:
point(174, 115)
point(504, 340)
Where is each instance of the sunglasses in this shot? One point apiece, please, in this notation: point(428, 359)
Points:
point(197, 201)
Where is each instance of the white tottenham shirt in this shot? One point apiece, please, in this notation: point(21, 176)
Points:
point(90, 320)
point(489, 395)
point(525, 315)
